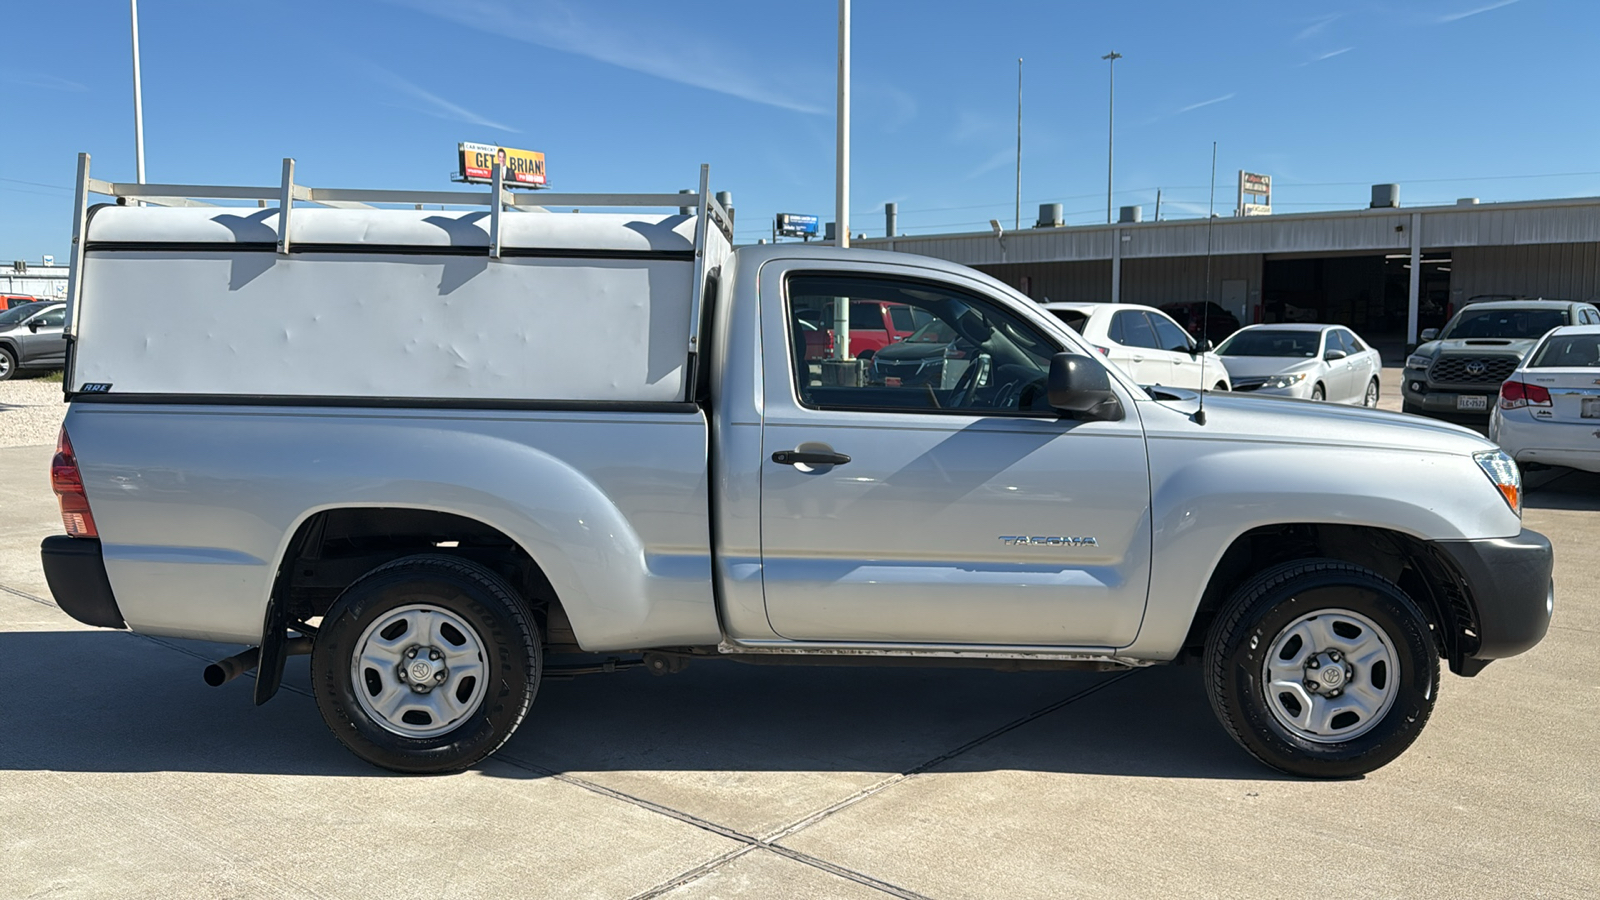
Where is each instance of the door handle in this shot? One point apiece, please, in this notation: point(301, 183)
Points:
point(809, 458)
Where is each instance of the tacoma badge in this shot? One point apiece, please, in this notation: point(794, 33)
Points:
point(1052, 541)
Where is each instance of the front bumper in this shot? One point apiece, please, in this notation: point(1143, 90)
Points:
point(1509, 585)
point(1417, 391)
point(76, 573)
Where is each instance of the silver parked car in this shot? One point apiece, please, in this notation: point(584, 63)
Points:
point(1311, 362)
point(31, 338)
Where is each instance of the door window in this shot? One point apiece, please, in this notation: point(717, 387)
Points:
point(1352, 343)
point(970, 355)
point(1335, 341)
point(1135, 329)
point(1170, 335)
point(55, 316)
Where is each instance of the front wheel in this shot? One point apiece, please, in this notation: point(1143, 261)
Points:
point(1321, 668)
point(426, 664)
point(8, 364)
point(1220, 386)
point(1319, 393)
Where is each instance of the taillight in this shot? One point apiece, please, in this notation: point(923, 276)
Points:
point(1517, 394)
point(68, 484)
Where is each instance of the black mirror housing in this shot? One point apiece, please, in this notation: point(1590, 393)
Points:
point(1080, 387)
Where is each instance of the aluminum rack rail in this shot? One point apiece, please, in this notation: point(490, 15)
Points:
point(705, 206)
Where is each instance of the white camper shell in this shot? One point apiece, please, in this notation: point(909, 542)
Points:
point(348, 302)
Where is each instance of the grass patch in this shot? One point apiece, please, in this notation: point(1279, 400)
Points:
point(54, 376)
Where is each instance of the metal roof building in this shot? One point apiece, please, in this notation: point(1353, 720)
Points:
point(1388, 272)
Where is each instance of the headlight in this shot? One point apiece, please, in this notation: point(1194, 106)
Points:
point(1283, 381)
point(1503, 471)
point(1418, 361)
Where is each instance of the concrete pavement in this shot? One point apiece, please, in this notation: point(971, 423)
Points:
point(122, 775)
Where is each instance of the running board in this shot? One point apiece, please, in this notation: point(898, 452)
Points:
point(932, 651)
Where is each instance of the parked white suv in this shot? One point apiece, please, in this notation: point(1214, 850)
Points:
point(1146, 343)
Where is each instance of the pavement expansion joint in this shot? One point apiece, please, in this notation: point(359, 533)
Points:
point(27, 596)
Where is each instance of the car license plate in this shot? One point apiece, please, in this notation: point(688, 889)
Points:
point(1591, 408)
point(1466, 402)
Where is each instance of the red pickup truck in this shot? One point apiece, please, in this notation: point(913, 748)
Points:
point(873, 326)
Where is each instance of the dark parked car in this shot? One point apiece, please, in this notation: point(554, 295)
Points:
point(1206, 321)
point(933, 355)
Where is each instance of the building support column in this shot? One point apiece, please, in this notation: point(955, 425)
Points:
point(1116, 265)
point(1414, 293)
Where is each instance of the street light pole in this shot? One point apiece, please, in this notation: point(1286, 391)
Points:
point(1111, 118)
point(841, 214)
point(1017, 225)
point(138, 99)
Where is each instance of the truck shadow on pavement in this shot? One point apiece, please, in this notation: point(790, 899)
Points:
point(1561, 488)
point(116, 702)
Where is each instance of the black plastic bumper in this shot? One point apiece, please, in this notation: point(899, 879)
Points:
point(76, 574)
point(1508, 580)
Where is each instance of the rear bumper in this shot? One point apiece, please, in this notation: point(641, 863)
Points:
point(76, 574)
point(1508, 582)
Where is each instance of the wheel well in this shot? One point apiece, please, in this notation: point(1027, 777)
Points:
point(333, 548)
point(1412, 564)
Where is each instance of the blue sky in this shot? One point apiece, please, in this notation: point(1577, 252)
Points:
point(1450, 98)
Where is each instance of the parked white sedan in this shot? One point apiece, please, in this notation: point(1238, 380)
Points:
point(1312, 362)
point(1549, 410)
point(1146, 343)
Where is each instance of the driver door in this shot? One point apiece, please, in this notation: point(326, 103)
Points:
point(953, 513)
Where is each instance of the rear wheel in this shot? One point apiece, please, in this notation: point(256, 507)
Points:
point(1321, 668)
point(426, 664)
point(1371, 399)
point(8, 364)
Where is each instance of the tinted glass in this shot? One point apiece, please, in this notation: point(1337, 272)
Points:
point(868, 316)
point(1568, 350)
point(1136, 330)
point(54, 317)
point(1171, 336)
point(902, 319)
point(1074, 319)
point(1336, 341)
point(1271, 342)
point(16, 314)
point(1352, 342)
point(1505, 323)
point(971, 355)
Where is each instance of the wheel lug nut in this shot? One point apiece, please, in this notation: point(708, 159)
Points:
point(1314, 664)
point(433, 654)
point(412, 653)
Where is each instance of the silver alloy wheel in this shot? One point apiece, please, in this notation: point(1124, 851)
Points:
point(419, 671)
point(5, 366)
point(1330, 676)
point(1372, 394)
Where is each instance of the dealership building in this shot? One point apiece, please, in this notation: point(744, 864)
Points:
point(1386, 271)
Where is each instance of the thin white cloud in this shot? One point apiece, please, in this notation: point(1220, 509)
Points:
point(1453, 17)
point(971, 125)
point(1317, 25)
point(48, 82)
point(1005, 157)
point(433, 104)
point(1224, 97)
point(690, 58)
point(1329, 55)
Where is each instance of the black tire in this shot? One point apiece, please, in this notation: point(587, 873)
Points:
point(1374, 393)
point(511, 659)
point(8, 364)
point(1319, 393)
point(1220, 386)
point(1246, 629)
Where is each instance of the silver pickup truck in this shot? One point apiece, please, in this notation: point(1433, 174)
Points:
point(448, 452)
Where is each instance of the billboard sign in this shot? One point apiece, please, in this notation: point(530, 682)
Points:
point(797, 225)
point(1255, 194)
point(523, 168)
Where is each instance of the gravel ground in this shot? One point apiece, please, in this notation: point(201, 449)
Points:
point(31, 410)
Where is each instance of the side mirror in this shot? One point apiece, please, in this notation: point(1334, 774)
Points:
point(1080, 387)
point(1332, 355)
point(34, 326)
point(1430, 334)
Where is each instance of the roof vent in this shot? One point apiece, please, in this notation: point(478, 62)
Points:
point(1385, 196)
point(1050, 216)
point(1131, 214)
point(1467, 201)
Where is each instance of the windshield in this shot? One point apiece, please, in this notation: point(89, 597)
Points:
point(17, 314)
point(1568, 350)
point(1074, 319)
point(1505, 323)
point(1298, 344)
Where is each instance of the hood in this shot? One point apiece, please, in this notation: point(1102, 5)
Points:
point(903, 351)
point(1487, 346)
point(1265, 419)
point(1266, 366)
